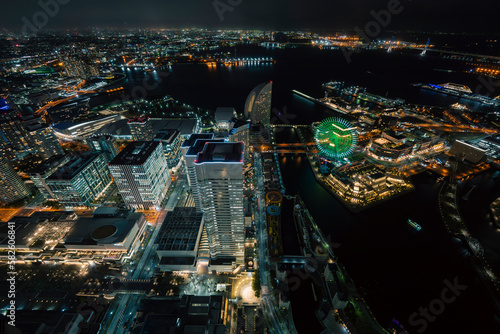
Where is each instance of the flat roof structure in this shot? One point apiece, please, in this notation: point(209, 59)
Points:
point(221, 152)
point(135, 153)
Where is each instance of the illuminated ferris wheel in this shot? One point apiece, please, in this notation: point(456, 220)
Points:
point(336, 138)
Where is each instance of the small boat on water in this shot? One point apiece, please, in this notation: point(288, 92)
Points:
point(414, 225)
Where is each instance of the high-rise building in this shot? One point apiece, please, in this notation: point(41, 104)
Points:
point(80, 181)
point(219, 171)
point(171, 142)
point(41, 172)
point(13, 188)
point(240, 132)
point(191, 147)
point(141, 174)
point(258, 104)
point(105, 143)
point(141, 128)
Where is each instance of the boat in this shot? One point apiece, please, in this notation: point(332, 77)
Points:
point(414, 225)
point(460, 91)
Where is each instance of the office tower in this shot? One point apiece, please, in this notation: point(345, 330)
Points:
point(171, 142)
point(105, 143)
point(141, 174)
point(191, 147)
point(80, 181)
point(41, 172)
point(258, 104)
point(13, 188)
point(240, 132)
point(219, 171)
point(141, 128)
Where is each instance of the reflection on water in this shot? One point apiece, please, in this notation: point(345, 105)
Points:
point(397, 268)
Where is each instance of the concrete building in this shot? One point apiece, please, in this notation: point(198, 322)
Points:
point(219, 172)
point(179, 239)
point(171, 143)
point(80, 181)
point(41, 138)
point(141, 174)
point(104, 143)
point(141, 128)
point(41, 172)
point(13, 188)
point(190, 148)
point(28, 135)
point(223, 117)
point(113, 232)
point(240, 132)
point(467, 152)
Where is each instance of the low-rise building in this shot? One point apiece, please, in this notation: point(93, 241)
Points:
point(179, 239)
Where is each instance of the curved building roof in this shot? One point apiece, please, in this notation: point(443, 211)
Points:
point(258, 104)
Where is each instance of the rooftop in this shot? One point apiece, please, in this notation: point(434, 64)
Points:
point(195, 136)
point(135, 153)
point(103, 229)
point(180, 230)
point(142, 119)
point(70, 169)
point(221, 152)
point(198, 146)
point(48, 164)
point(223, 114)
point(167, 135)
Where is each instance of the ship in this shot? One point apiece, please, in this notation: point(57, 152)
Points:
point(414, 225)
point(461, 91)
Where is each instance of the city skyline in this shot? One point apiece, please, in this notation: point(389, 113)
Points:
point(444, 16)
point(334, 177)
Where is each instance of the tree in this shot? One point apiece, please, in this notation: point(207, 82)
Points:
point(256, 284)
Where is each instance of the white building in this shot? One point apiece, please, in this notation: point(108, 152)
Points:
point(141, 174)
point(190, 149)
point(219, 172)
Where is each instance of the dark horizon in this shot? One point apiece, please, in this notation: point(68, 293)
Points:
point(448, 16)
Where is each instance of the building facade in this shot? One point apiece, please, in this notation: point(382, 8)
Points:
point(171, 143)
point(40, 173)
point(105, 143)
point(13, 188)
point(219, 171)
point(141, 174)
point(191, 147)
point(258, 104)
point(80, 181)
point(141, 128)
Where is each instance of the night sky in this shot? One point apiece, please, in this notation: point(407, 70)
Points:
point(422, 15)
